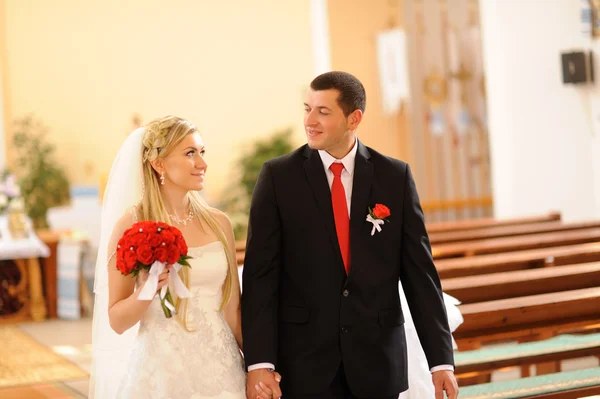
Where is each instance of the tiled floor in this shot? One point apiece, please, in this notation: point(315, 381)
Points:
point(70, 339)
point(43, 391)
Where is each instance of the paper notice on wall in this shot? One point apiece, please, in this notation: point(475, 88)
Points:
point(393, 69)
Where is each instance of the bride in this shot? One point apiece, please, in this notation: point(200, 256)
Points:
point(137, 352)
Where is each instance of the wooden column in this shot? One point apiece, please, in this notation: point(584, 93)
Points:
point(36, 292)
point(50, 281)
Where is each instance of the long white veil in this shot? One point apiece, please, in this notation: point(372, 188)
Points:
point(124, 190)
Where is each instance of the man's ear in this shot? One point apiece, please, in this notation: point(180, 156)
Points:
point(354, 119)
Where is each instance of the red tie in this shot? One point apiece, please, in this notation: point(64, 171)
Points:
point(340, 213)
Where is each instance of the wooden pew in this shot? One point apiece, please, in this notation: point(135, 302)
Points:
point(528, 318)
point(559, 348)
point(565, 385)
point(489, 287)
point(514, 260)
point(508, 244)
point(518, 260)
point(508, 231)
point(489, 222)
point(454, 226)
point(240, 245)
point(240, 252)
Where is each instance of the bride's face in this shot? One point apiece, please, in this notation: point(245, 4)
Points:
point(185, 165)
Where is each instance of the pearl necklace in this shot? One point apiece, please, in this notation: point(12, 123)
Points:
point(185, 221)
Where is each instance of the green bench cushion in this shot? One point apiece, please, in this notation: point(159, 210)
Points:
point(538, 385)
point(561, 343)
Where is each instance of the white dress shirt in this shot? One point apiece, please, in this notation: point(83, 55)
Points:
point(347, 180)
point(347, 173)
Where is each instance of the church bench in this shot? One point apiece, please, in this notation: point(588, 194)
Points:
point(488, 287)
point(514, 260)
point(528, 318)
point(507, 244)
point(563, 385)
point(518, 260)
point(562, 347)
point(471, 224)
point(508, 231)
point(461, 225)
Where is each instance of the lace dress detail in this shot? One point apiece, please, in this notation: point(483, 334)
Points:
point(169, 362)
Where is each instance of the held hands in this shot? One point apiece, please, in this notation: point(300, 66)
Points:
point(444, 380)
point(263, 384)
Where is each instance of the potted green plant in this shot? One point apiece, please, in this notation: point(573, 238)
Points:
point(43, 182)
point(247, 168)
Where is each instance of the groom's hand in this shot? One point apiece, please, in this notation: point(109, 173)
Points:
point(261, 382)
point(444, 380)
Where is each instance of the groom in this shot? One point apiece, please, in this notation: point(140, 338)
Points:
point(320, 301)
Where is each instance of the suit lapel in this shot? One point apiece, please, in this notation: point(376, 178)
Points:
point(313, 166)
point(361, 191)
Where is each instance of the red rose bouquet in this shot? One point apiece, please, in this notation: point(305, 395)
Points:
point(153, 246)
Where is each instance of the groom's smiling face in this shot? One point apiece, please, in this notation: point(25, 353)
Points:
point(327, 127)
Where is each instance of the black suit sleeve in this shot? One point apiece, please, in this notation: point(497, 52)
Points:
point(421, 281)
point(261, 274)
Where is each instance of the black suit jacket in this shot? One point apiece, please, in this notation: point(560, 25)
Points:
point(299, 309)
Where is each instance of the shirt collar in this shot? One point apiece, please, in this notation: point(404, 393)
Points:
point(347, 161)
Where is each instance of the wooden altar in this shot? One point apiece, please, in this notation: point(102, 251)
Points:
point(27, 288)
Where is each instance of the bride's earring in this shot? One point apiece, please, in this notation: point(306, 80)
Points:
point(162, 178)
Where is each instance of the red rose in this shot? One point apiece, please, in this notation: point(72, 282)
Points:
point(163, 225)
point(123, 243)
point(139, 239)
point(130, 260)
point(145, 254)
point(155, 240)
point(120, 256)
point(167, 236)
point(142, 225)
point(121, 263)
point(381, 211)
point(182, 246)
point(129, 232)
point(173, 254)
point(161, 254)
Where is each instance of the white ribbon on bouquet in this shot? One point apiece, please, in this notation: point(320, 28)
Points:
point(149, 289)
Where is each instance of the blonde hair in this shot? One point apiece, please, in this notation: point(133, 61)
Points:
point(161, 137)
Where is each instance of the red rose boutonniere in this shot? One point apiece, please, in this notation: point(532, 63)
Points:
point(378, 216)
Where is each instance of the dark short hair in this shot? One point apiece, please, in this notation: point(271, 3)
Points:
point(352, 92)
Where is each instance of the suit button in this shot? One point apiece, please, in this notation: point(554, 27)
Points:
point(344, 329)
point(346, 293)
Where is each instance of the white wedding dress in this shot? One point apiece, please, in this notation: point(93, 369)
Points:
point(169, 362)
point(420, 384)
